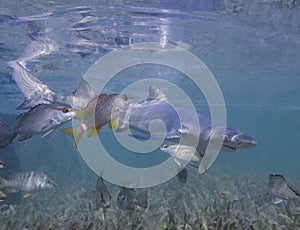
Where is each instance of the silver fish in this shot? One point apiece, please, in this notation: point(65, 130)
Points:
point(29, 182)
point(7, 134)
point(36, 92)
point(128, 199)
point(281, 190)
point(43, 119)
point(182, 154)
point(103, 197)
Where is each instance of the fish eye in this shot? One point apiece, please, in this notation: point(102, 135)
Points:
point(66, 110)
point(165, 146)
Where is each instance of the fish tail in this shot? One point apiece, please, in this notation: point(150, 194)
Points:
point(74, 132)
point(7, 137)
point(141, 199)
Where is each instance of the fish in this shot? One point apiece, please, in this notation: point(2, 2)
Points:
point(28, 182)
point(42, 119)
point(2, 164)
point(281, 190)
point(101, 110)
point(103, 197)
point(128, 199)
point(179, 122)
point(7, 135)
point(2, 195)
point(36, 92)
point(182, 154)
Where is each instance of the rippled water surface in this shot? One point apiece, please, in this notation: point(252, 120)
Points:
point(252, 49)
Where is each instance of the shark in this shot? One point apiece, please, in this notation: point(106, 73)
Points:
point(181, 125)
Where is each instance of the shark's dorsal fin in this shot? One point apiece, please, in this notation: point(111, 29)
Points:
point(157, 94)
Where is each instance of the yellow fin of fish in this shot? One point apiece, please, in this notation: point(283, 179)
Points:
point(93, 132)
point(114, 124)
point(82, 114)
point(74, 132)
point(27, 195)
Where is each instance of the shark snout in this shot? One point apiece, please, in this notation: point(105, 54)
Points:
point(244, 141)
point(234, 140)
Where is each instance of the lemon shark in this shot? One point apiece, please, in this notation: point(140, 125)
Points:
point(181, 125)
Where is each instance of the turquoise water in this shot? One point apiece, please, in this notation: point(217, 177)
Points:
point(252, 49)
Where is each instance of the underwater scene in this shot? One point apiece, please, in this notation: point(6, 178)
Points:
point(150, 114)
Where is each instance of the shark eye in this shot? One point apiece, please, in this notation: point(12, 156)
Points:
point(165, 146)
point(66, 110)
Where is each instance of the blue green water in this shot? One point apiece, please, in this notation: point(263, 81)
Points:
point(252, 49)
